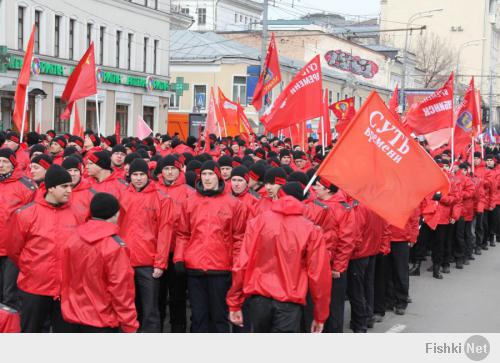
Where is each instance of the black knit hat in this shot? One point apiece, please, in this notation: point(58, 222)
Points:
point(298, 176)
point(211, 165)
point(56, 175)
point(194, 165)
point(139, 165)
point(61, 140)
point(72, 162)
point(13, 136)
point(37, 148)
point(119, 149)
point(275, 176)
point(225, 160)
point(285, 152)
point(95, 140)
point(330, 186)
point(171, 160)
point(9, 155)
point(101, 159)
point(51, 133)
point(477, 154)
point(70, 150)
point(44, 160)
point(76, 139)
point(489, 157)
point(295, 189)
point(241, 171)
point(131, 157)
point(299, 155)
point(257, 172)
point(104, 206)
point(260, 153)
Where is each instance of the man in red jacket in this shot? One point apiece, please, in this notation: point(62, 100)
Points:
point(464, 237)
point(334, 215)
point(56, 149)
point(38, 234)
point(16, 190)
point(82, 192)
point(490, 223)
point(240, 189)
point(97, 293)
point(146, 224)
point(105, 180)
point(283, 256)
point(209, 238)
point(12, 141)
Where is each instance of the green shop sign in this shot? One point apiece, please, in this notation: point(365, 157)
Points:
point(54, 69)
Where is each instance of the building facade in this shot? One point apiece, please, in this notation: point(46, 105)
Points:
point(131, 45)
point(220, 15)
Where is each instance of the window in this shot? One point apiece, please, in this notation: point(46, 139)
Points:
point(200, 97)
point(149, 116)
point(20, 28)
point(330, 97)
point(246, 20)
point(174, 102)
point(129, 50)
point(240, 90)
point(118, 50)
point(156, 4)
point(235, 17)
point(89, 34)
point(36, 45)
point(91, 116)
point(241, 18)
point(155, 55)
point(202, 16)
point(185, 11)
point(57, 35)
point(122, 118)
point(60, 126)
point(102, 30)
point(71, 39)
point(338, 96)
point(145, 54)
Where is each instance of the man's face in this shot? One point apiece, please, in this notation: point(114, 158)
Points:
point(300, 163)
point(87, 143)
point(225, 171)
point(477, 161)
point(253, 184)
point(55, 148)
point(286, 160)
point(272, 190)
point(5, 166)
point(139, 179)
point(264, 140)
point(209, 180)
point(93, 169)
point(37, 172)
point(60, 193)
point(117, 159)
point(490, 163)
point(464, 171)
point(236, 148)
point(11, 145)
point(75, 176)
point(238, 184)
point(75, 145)
point(445, 157)
point(321, 191)
point(170, 173)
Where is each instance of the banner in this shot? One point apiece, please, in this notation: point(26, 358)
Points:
point(467, 120)
point(344, 111)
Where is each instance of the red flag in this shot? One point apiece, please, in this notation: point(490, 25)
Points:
point(118, 132)
point(325, 122)
point(211, 122)
point(230, 114)
point(394, 103)
point(389, 172)
point(22, 84)
point(142, 129)
point(300, 101)
point(345, 112)
point(81, 83)
point(270, 75)
point(434, 112)
point(466, 120)
point(77, 128)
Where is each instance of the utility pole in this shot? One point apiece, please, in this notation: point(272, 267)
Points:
point(263, 51)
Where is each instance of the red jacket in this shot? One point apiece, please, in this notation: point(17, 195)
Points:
point(479, 196)
point(336, 218)
point(283, 257)
point(485, 174)
point(113, 185)
point(146, 223)
point(409, 233)
point(58, 158)
point(468, 195)
point(81, 196)
point(38, 234)
point(439, 212)
point(23, 159)
point(10, 322)
point(15, 191)
point(263, 205)
point(492, 188)
point(97, 279)
point(251, 199)
point(210, 231)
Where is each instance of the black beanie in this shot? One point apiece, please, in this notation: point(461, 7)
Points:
point(194, 165)
point(295, 189)
point(119, 149)
point(171, 160)
point(241, 171)
point(37, 148)
point(225, 160)
point(298, 176)
point(76, 139)
point(43, 160)
point(70, 150)
point(257, 172)
point(61, 140)
point(330, 186)
point(101, 159)
point(260, 153)
point(275, 176)
point(9, 155)
point(284, 152)
point(138, 165)
point(56, 175)
point(299, 155)
point(131, 157)
point(104, 206)
point(211, 165)
point(72, 162)
point(13, 136)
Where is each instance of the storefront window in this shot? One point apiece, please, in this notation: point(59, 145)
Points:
point(60, 126)
point(149, 116)
point(200, 98)
point(122, 118)
point(91, 120)
point(240, 90)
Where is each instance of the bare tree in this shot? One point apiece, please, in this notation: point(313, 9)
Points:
point(435, 58)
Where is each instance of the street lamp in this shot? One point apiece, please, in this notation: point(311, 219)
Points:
point(419, 15)
point(470, 43)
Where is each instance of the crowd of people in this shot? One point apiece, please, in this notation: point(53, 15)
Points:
point(216, 235)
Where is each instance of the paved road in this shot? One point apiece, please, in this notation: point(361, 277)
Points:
point(464, 301)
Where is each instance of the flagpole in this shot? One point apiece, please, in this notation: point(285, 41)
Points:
point(24, 114)
point(291, 138)
point(482, 146)
point(97, 114)
point(472, 152)
point(311, 182)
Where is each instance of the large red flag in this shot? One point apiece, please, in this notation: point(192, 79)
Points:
point(230, 114)
point(77, 127)
point(325, 123)
point(389, 172)
point(270, 75)
point(81, 83)
point(394, 103)
point(22, 84)
point(466, 120)
point(434, 113)
point(300, 101)
point(211, 122)
point(345, 112)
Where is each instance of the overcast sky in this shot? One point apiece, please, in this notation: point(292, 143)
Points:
point(284, 9)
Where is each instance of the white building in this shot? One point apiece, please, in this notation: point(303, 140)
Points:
point(131, 40)
point(220, 15)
